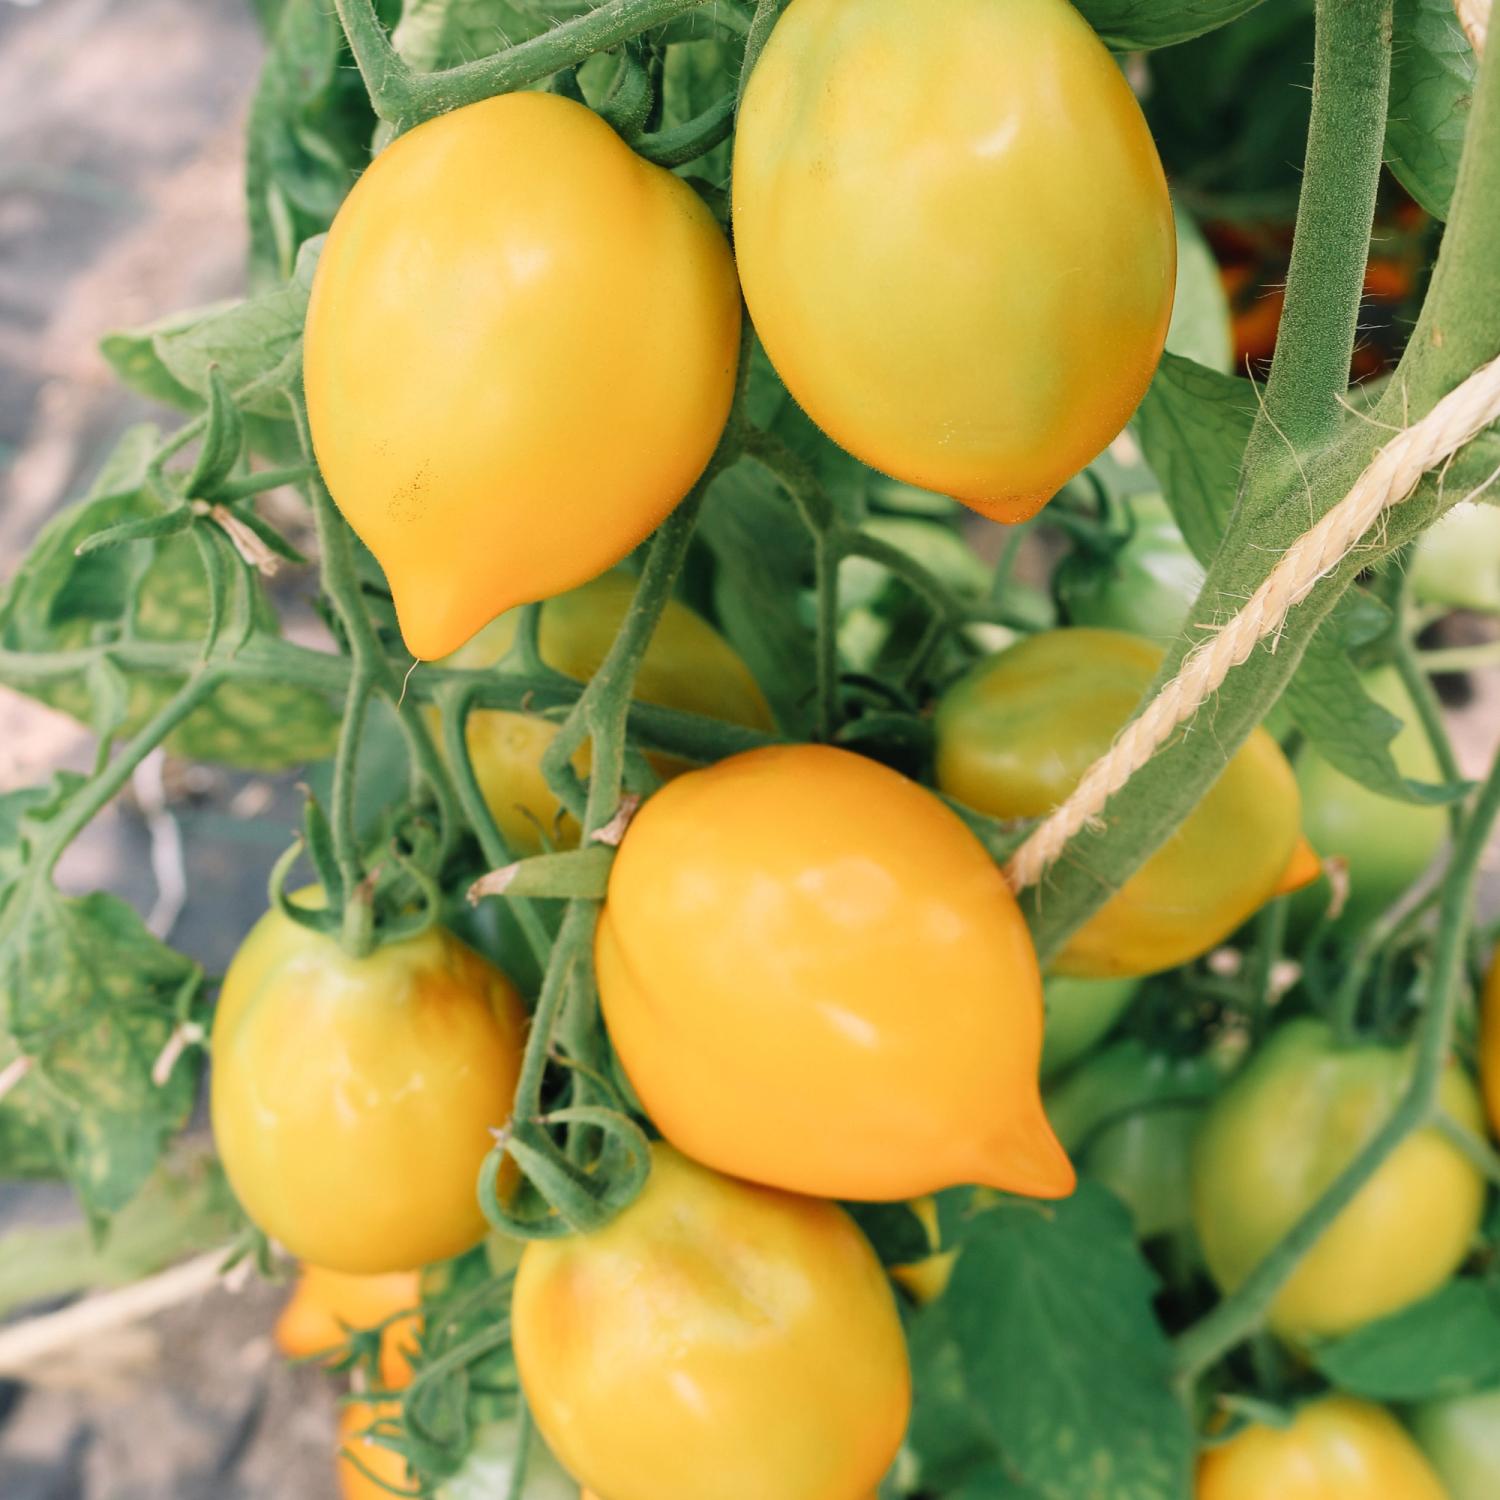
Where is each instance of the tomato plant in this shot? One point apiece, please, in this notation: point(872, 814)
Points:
point(756, 887)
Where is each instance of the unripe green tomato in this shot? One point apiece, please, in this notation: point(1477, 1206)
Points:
point(1079, 1013)
point(1387, 844)
point(1146, 587)
point(1457, 561)
point(1128, 1116)
point(1280, 1134)
point(1461, 1435)
point(490, 1467)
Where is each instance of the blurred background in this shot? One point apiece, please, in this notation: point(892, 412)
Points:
point(122, 200)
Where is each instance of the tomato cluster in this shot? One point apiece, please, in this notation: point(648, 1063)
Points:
point(523, 350)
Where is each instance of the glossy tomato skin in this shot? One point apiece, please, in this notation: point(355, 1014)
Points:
point(991, 335)
point(353, 1099)
point(1016, 735)
point(327, 1306)
point(1335, 1449)
point(520, 354)
point(1385, 844)
point(1461, 1437)
point(688, 666)
point(1279, 1135)
point(716, 1341)
point(1489, 1044)
point(816, 978)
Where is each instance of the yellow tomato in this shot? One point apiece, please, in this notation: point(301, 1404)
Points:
point(816, 978)
point(327, 1306)
point(954, 237)
point(1279, 1135)
point(687, 666)
point(1016, 735)
point(1489, 1046)
point(1335, 1449)
point(520, 354)
point(354, 1099)
point(716, 1341)
point(388, 1466)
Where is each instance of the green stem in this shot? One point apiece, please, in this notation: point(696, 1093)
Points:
point(358, 936)
point(1460, 658)
point(680, 144)
point(1303, 406)
point(826, 587)
point(404, 98)
point(1240, 1314)
point(454, 706)
point(92, 798)
point(265, 658)
point(761, 25)
point(1429, 714)
point(1478, 1150)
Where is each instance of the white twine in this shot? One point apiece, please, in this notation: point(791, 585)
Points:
point(1390, 478)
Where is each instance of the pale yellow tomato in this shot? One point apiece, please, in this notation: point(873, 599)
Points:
point(955, 239)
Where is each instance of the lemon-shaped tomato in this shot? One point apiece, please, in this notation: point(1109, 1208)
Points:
point(327, 1306)
point(1279, 1135)
point(1015, 737)
point(354, 1098)
point(1334, 1449)
point(1489, 1045)
point(1461, 1435)
point(716, 1341)
point(954, 237)
point(520, 354)
point(816, 977)
point(687, 666)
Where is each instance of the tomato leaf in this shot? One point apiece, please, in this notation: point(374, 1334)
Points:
point(1200, 327)
point(133, 357)
point(893, 1230)
point(1193, 426)
point(1051, 1308)
point(945, 1441)
point(1136, 25)
point(1342, 722)
point(256, 344)
point(148, 591)
point(1432, 91)
point(90, 998)
point(1447, 1344)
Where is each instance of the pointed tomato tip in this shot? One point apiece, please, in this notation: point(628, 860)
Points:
point(1028, 1159)
point(1302, 869)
